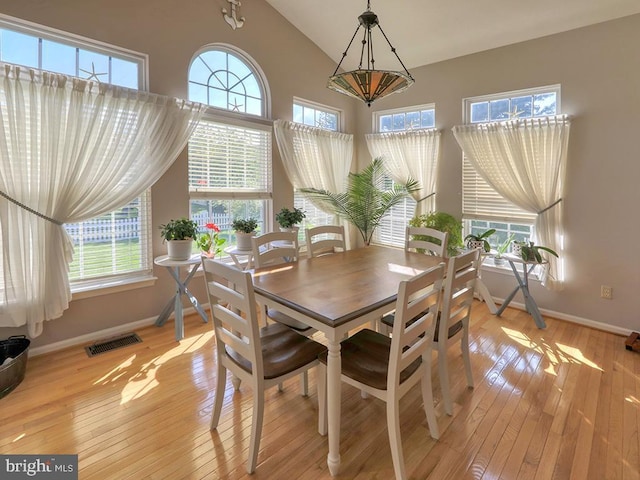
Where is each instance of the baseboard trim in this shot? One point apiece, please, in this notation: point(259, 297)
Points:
point(128, 327)
point(100, 334)
point(572, 318)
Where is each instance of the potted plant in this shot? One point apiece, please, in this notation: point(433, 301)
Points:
point(245, 229)
point(365, 201)
point(179, 235)
point(289, 219)
point(443, 222)
point(501, 249)
point(474, 241)
point(210, 242)
point(530, 252)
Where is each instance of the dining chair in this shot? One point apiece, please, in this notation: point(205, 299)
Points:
point(430, 242)
point(272, 249)
point(452, 324)
point(261, 357)
point(325, 239)
point(388, 368)
point(426, 240)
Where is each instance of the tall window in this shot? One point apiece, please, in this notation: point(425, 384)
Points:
point(392, 228)
point(483, 208)
point(318, 116)
point(229, 154)
point(116, 246)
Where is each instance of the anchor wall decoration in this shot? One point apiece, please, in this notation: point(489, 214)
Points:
point(232, 20)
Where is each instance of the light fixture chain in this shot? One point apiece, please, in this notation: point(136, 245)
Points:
point(344, 54)
point(394, 51)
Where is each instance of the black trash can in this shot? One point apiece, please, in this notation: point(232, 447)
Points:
point(16, 349)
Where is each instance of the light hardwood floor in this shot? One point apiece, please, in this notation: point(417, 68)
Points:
point(563, 402)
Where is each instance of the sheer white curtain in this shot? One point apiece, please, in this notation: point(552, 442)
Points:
point(525, 162)
point(412, 154)
point(313, 157)
point(70, 150)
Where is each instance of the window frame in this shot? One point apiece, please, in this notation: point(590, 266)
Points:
point(512, 222)
point(398, 215)
point(231, 118)
point(316, 217)
point(110, 283)
point(257, 72)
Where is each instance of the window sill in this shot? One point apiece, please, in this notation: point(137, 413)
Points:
point(105, 287)
point(488, 266)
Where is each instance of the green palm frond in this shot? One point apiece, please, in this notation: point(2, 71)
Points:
point(365, 201)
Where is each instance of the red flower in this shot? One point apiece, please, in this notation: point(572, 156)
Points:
point(213, 226)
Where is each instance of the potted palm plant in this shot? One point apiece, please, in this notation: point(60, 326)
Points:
point(365, 201)
point(245, 228)
point(179, 235)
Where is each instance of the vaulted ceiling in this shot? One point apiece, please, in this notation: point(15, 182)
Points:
point(428, 31)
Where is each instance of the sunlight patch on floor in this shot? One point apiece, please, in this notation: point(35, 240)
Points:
point(560, 354)
point(143, 379)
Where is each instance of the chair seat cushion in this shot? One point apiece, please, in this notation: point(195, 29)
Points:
point(283, 351)
point(365, 358)
point(280, 317)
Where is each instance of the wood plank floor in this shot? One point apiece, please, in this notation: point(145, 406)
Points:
point(558, 403)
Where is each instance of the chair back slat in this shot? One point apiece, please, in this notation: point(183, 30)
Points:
point(274, 247)
point(233, 308)
point(459, 284)
point(426, 240)
point(418, 300)
point(325, 239)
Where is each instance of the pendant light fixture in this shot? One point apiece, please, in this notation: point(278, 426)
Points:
point(369, 84)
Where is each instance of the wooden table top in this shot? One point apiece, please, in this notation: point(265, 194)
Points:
point(336, 288)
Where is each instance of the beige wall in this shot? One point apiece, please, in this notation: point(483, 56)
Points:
point(596, 66)
point(599, 72)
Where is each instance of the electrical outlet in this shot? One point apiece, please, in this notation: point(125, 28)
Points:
point(606, 292)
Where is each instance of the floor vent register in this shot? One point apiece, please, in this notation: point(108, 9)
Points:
point(112, 344)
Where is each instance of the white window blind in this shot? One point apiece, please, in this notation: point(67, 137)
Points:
point(480, 201)
point(112, 246)
point(230, 161)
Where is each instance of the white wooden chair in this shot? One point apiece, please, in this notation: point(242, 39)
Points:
point(325, 239)
point(261, 357)
point(452, 324)
point(276, 248)
point(429, 242)
point(388, 368)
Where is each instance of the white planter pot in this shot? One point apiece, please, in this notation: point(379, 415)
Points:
point(290, 229)
point(243, 240)
point(473, 244)
point(179, 249)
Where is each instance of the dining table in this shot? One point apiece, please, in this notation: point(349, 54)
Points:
point(335, 294)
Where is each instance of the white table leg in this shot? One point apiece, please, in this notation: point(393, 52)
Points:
point(333, 405)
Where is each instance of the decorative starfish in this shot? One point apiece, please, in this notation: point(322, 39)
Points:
point(235, 106)
point(516, 113)
point(92, 73)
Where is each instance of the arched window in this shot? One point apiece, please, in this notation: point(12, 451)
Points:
point(226, 79)
point(229, 154)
